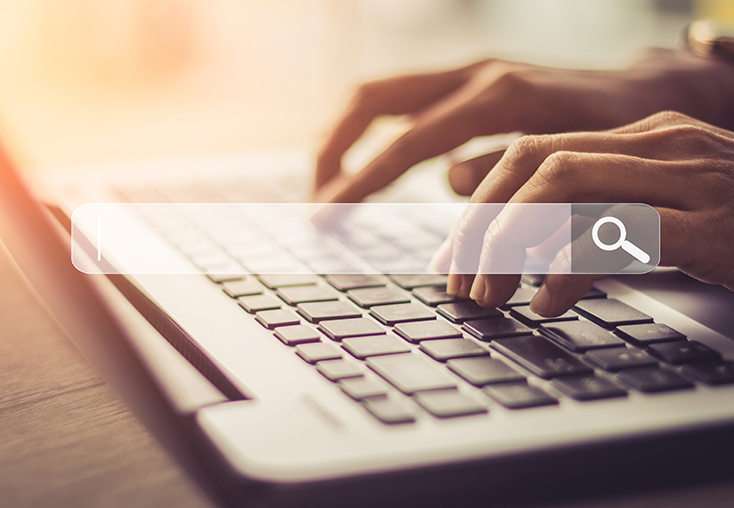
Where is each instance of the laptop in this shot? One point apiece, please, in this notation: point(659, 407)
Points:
point(377, 389)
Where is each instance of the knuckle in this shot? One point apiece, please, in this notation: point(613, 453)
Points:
point(560, 166)
point(324, 156)
point(693, 139)
point(528, 147)
point(367, 93)
point(515, 82)
point(669, 117)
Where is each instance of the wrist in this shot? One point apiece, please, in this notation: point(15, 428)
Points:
point(702, 88)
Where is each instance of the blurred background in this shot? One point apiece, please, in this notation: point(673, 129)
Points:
point(99, 80)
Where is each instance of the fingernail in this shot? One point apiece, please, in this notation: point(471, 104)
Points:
point(465, 286)
point(541, 302)
point(478, 288)
point(453, 284)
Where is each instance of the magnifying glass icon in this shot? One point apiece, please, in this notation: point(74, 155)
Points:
point(627, 246)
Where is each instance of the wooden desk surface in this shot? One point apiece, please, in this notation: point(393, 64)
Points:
point(66, 440)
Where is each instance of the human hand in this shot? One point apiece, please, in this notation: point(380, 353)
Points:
point(494, 96)
point(681, 166)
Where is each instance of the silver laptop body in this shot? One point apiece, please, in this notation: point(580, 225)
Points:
point(281, 434)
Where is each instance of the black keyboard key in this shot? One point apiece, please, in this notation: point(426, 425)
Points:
point(621, 358)
point(303, 294)
point(298, 334)
point(224, 277)
point(465, 311)
point(410, 372)
point(522, 296)
point(369, 297)
point(654, 379)
point(246, 287)
point(425, 330)
point(374, 345)
point(483, 370)
point(533, 279)
point(588, 387)
point(401, 313)
point(446, 349)
point(712, 372)
point(541, 357)
point(271, 319)
point(319, 311)
point(649, 333)
point(434, 295)
point(680, 352)
point(580, 336)
point(258, 303)
point(334, 370)
point(519, 395)
point(448, 403)
point(278, 280)
point(389, 410)
point(610, 312)
point(360, 388)
point(498, 328)
point(530, 318)
point(345, 282)
point(418, 280)
point(594, 293)
point(339, 329)
point(318, 351)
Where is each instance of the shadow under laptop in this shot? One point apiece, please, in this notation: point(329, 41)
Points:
point(603, 474)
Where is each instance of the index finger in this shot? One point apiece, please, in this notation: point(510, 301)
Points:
point(393, 96)
point(429, 138)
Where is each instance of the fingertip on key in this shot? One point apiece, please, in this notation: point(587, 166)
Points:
point(466, 285)
point(478, 289)
point(542, 302)
point(453, 283)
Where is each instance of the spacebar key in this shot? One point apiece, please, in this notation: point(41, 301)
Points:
point(410, 372)
point(541, 357)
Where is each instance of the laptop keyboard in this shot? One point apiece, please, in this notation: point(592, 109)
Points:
point(399, 345)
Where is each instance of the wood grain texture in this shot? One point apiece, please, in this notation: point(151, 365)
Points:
point(66, 440)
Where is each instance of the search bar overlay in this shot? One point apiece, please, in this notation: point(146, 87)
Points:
point(376, 238)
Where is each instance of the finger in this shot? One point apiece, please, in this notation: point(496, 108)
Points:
point(466, 176)
point(495, 290)
point(522, 162)
point(524, 156)
point(460, 284)
point(560, 292)
point(470, 111)
point(570, 177)
point(430, 137)
point(394, 96)
point(504, 248)
point(441, 259)
point(580, 177)
point(666, 120)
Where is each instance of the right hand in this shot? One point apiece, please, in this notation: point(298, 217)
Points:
point(681, 166)
point(494, 96)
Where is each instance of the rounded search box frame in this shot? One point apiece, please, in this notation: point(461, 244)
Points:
point(372, 238)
